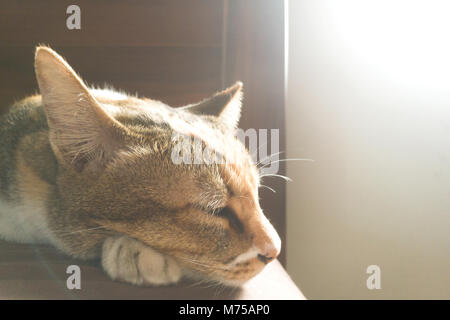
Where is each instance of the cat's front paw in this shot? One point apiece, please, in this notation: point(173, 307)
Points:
point(132, 261)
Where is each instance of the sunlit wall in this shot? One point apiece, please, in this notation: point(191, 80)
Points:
point(368, 99)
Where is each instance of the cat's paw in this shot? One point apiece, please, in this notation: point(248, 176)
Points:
point(132, 261)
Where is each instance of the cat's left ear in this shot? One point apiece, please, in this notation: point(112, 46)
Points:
point(225, 105)
point(82, 134)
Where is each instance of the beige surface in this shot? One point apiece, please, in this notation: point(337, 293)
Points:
point(369, 101)
point(37, 272)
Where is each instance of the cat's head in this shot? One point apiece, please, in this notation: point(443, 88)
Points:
point(125, 166)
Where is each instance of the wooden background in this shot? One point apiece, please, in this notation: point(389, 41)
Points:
point(176, 51)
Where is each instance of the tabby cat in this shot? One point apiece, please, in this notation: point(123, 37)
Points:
point(91, 172)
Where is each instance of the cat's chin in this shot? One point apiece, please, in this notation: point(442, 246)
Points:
point(233, 283)
point(198, 277)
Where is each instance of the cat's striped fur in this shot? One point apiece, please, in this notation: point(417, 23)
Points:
point(90, 172)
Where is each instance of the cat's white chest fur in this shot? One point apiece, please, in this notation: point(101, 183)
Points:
point(25, 222)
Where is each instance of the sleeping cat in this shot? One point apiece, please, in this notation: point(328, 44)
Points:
point(91, 172)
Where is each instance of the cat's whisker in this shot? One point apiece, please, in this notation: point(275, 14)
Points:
point(276, 175)
point(268, 157)
point(284, 160)
point(267, 187)
point(202, 267)
point(218, 290)
point(210, 283)
point(197, 283)
point(202, 264)
point(234, 289)
point(233, 176)
point(82, 230)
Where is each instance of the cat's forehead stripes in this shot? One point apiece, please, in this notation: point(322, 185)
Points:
point(241, 178)
point(237, 173)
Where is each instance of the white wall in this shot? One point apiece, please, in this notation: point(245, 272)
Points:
point(369, 100)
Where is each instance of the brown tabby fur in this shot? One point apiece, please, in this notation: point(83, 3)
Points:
point(101, 167)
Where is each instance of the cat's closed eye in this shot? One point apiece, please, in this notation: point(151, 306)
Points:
point(229, 214)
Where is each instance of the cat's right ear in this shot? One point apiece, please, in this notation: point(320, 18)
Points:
point(224, 106)
point(82, 133)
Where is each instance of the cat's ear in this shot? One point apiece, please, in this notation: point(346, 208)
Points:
point(81, 131)
point(225, 105)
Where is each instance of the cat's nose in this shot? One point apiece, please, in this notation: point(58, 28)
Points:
point(270, 252)
point(266, 240)
point(264, 259)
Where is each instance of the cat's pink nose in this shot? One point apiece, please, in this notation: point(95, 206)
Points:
point(270, 253)
point(266, 240)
